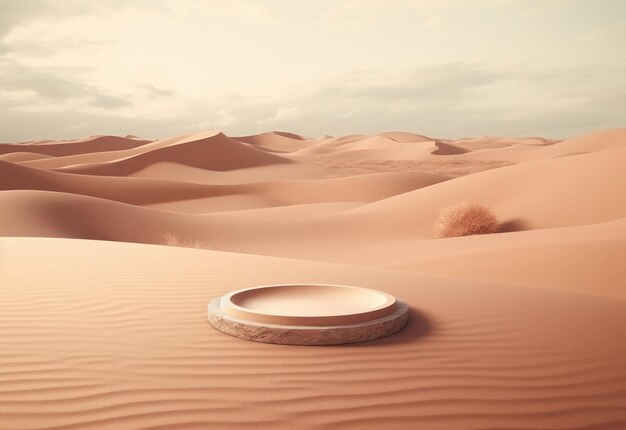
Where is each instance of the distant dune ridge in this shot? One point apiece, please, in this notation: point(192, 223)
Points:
point(81, 146)
point(520, 328)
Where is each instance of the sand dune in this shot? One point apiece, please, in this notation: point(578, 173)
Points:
point(18, 157)
point(389, 141)
point(590, 142)
point(89, 145)
point(495, 142)
point(120, 340)
point(183, 142)
point(276, 141)
point(359, 154)
point(403, 136)
point(140, 191)
point(541, 194)
point(402, 206)
point(371, 147)
point(584, 258)
point(216, 152)
point(519, 329)
point(52, 214)
point(448, 149)
point(109, 156)
point(529, 149)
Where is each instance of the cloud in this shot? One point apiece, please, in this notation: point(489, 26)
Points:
point(20, 126)
point(156, 91)
point(446, 68)
point(15, 12)
point(610, 33)
point(220, 119)
point(46, 83)
point(51, 84)
point(450, 100)
point(109, 102)
point(429, 82)
point(251, 11)
point(283, 113)
point(364, 14)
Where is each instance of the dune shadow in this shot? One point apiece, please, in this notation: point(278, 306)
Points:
point(515, 224)
point(418, 327)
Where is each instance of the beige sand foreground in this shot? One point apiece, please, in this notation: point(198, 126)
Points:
point(523, 329)
point(108, 335)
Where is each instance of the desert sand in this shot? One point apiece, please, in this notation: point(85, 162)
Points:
point(103, 326)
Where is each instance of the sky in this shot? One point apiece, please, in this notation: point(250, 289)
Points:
point(445, 68)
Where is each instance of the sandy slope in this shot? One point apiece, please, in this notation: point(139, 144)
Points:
point(583, 258)
point(382, 219)
point(144, 192)
point(555, 192)
point(20, 157)
point(113, 335)
point(119, 339)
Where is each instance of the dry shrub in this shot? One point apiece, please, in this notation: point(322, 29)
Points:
point(465, 219)
point(172, 239)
